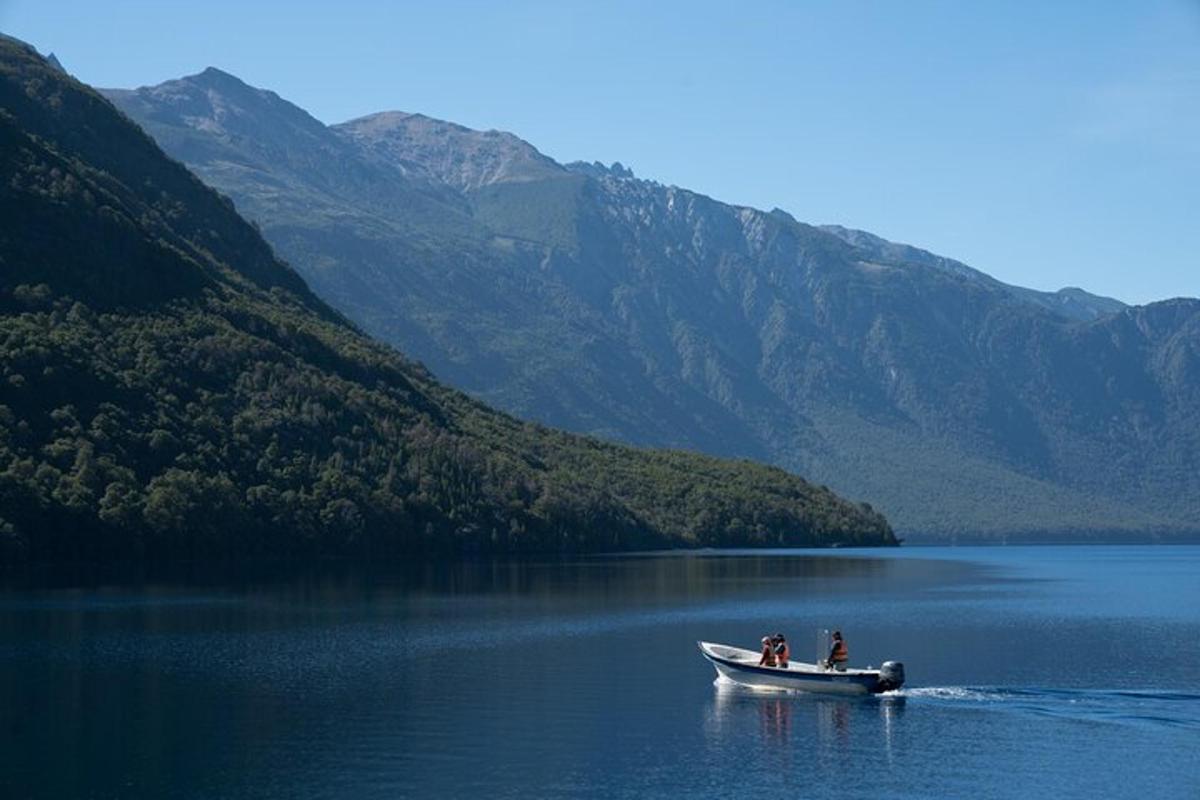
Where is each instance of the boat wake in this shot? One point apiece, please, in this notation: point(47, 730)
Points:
point(1124, 706)
point(951, 693)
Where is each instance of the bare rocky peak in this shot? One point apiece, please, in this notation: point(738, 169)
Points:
point(461, 157)
point(595, 169)
point(215, 121)
point(221, 104)
point(269, 153)
point(1082, 304)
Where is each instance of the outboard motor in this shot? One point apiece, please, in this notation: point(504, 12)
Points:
point(891, 676)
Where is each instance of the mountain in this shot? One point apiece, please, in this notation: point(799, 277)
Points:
point(170, 388)
point(451, 154)
point(1073, 303)
point(584, 297)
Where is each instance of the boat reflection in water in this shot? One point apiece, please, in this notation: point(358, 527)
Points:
point(824, 728)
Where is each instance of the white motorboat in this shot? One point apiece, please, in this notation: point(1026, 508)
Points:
point(741, 666)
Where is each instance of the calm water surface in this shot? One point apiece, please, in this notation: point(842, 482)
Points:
point(1033, 672)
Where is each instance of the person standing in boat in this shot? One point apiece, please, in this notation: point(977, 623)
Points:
point(839, 654)
point(782, 653)
point(768, 653)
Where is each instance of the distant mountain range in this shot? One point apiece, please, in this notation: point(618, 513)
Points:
point(169, 388)
point(589, 299)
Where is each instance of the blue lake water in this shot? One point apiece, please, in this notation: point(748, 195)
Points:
point(1033, 672)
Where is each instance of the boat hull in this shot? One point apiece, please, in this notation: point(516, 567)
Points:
point(740, 666)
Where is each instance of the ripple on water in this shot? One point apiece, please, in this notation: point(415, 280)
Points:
point(1131, 707)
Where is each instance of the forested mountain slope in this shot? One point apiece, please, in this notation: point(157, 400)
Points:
point(169, 388)
point(586, 298)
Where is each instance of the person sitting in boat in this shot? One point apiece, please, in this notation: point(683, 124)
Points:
point(768, 653)
point(782, 653)
point(839, 654)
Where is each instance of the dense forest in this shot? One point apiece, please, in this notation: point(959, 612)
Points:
point(168, 388)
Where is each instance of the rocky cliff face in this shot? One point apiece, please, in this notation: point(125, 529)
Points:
point(587, 298)
point(456, 156)
point(1073, 303)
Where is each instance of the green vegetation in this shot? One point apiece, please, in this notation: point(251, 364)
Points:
point(169, 389)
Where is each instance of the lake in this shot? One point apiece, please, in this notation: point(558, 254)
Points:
point(1033, 672)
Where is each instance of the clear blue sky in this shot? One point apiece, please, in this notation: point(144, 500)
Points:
point(1049, 144)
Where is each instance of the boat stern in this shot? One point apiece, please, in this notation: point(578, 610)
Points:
point(891, 676)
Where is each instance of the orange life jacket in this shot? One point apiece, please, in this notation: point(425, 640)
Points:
point(840, 652)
